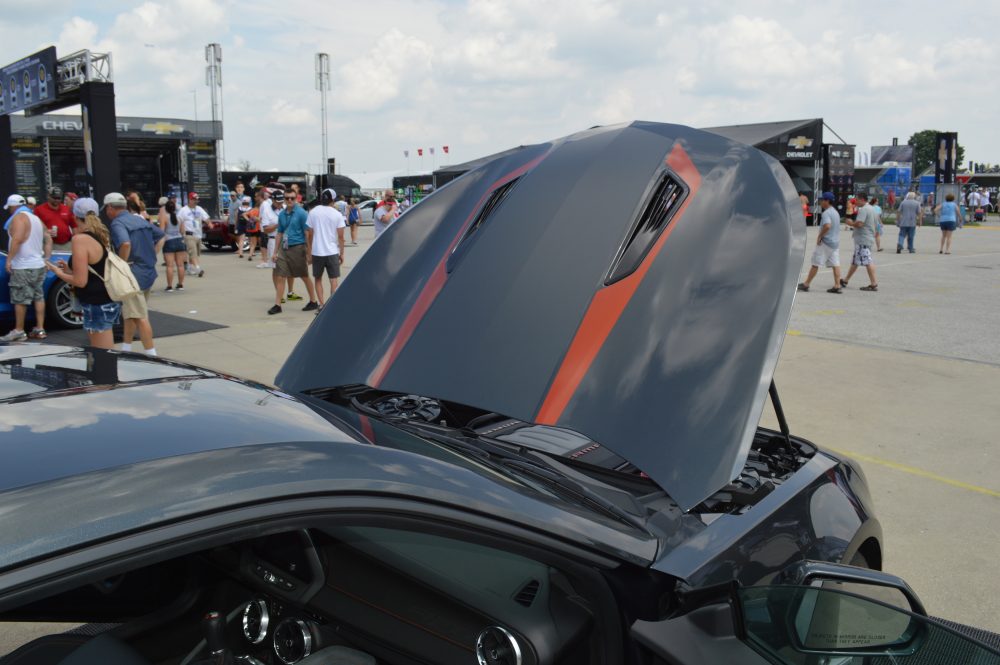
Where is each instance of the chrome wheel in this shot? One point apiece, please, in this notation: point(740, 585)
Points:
point(60, 307)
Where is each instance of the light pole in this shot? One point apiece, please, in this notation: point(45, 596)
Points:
point(323, 85)
point(213, 79)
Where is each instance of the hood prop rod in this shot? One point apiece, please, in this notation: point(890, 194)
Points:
point(779, 412)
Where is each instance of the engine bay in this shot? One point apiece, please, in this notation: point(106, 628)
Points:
point(773, 456)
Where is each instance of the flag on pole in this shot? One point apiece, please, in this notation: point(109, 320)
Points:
point(432, 151)
point(406, 153)
point(445, 148)
point(420, 152)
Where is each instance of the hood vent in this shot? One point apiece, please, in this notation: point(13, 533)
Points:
point(526, 596)
point(663, 203)
point(493, 202)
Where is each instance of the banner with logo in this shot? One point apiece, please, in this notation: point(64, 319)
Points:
point(28, 82)
point(128, 127)
point(802, 144)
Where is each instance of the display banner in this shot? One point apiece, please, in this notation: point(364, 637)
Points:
point(29, 167)
point(28, 82)
point(945, 157)
point(202, 171)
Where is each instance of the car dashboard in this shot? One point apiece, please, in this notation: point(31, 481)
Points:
point(400, 597)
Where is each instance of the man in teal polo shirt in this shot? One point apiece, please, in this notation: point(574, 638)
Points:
point(292, 256)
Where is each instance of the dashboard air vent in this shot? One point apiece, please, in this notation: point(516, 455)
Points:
point(526, 595)
point(664, 202)
point(496, 646)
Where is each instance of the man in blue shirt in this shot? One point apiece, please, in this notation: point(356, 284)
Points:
point(292, 256)
point(827, 253)
point(137, 241)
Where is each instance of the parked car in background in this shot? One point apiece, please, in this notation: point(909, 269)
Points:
point(366, 209)
point(217, 233)
point(58, 299)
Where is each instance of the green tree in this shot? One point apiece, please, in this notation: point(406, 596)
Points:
point(925, 150)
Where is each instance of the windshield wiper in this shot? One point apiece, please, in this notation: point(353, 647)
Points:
point(564, 481)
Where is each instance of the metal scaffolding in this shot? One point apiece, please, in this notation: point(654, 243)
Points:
point(78, 68)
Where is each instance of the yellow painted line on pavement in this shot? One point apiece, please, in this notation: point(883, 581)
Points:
point(912, 470)
point(793, 333)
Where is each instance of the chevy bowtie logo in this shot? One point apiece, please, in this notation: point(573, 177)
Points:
point(162, 128)
point(800, 142)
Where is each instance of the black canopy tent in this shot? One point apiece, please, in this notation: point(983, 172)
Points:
point(795, 143)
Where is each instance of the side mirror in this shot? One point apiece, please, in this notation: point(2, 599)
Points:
point(814, 620)
point(865, 582)
point(821, 609)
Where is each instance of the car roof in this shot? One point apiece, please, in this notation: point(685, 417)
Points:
point(66, 411)
point(98, 443)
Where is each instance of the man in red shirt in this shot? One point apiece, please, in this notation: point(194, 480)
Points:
point(58, 220)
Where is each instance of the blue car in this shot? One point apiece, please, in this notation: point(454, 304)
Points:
point(58, 301)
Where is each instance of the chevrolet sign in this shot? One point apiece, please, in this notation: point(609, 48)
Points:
point(162, 128)
point(800, 142)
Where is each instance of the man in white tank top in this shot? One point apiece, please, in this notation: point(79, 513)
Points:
point(30, 247)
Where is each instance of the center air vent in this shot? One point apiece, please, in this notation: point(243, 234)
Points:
point(493, 202)
point(655, 216)
point(496, 646)
point(526, 595)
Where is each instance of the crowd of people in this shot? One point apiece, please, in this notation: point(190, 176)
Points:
point(73, 224)
point(863, 216)
point(275, 223)
point(294, 242)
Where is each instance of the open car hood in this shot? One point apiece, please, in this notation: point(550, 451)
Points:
point(632, 283)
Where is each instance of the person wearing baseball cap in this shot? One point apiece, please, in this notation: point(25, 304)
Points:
point(137, 241)
point(58, 220)
point(827, 252)
point(13, 201)
point(30, 247)
point(91, 246)
point(191, 218)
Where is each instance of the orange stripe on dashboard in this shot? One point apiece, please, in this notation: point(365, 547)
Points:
point(607, 306)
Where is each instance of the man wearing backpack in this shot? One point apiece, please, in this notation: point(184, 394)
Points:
point(137, 241)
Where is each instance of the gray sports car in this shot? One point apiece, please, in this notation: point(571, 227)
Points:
point(524, 432)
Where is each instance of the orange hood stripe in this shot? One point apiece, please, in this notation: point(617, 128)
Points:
point(607, 306)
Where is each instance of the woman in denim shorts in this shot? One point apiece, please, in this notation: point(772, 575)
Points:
point(84, 272)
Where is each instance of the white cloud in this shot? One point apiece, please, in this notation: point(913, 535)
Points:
point(485, 75)
point(77, 34)
point(285, 114)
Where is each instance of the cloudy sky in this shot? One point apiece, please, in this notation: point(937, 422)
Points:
point(485, 75)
